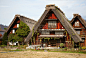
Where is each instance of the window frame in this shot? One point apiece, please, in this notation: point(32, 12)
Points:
point(77, 23)
point(78, 32)
point(13, 31)
point(17, 25)
point(52, 24)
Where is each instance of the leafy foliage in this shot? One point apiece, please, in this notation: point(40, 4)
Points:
point(20, 33)
point(5, 38)
point(61, 44)
point(19, 39)
point(5, 28)
point(23, 30)
point(11, 38)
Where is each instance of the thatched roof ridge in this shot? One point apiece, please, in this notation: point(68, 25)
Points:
point(37, 25)
point(80, 19)
point(62, 19)
point(21, 18)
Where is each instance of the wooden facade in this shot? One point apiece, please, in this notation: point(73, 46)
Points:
point(80, 28)
point(16, 21)
point(14, 25)
point(50, 31)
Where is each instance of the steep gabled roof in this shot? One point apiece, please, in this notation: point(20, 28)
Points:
point(64, 21)
point(24, 19)
point(79, 18)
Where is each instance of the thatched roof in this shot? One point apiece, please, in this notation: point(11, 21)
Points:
point(64, 21)
point(24, 19)
point(83, 22)
point(28, 21)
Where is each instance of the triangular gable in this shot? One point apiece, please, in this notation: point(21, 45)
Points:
point(79, 18)
point(24, 19)
point(64, 21)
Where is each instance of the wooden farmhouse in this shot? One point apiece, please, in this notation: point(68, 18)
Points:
point(79, 25)
point(52, 29)
point(14, 25)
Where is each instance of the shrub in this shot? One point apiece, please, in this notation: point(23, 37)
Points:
point(83, 48)
point(61, 45)
point(5, 39)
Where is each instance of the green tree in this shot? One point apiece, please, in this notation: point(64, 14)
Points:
point(5, 38)
point(5, 28)
point(17, 38)
point(23, 30)
point(11, 38)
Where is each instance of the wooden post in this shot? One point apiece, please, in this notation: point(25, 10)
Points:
point(85, 41)
point(37, 39)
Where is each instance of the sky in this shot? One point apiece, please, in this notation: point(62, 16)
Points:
point(34, 8)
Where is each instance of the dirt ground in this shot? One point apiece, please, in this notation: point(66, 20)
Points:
point(39, 54)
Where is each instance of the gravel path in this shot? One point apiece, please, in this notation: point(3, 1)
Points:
point(38, 54)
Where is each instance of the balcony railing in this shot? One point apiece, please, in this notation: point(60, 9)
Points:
point(52, 29)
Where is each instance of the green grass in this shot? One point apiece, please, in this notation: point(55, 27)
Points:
point(22, 48)
point(81, 52)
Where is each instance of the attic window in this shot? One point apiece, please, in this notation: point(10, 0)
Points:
point(17, 25)
point(13, 31)
point(77, 23)
point(52, 24)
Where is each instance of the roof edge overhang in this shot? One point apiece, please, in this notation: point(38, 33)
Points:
point(61, 18)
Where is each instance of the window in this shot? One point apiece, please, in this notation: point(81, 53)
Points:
point(52, 24)
point(58, 33)
point(45, 33)
point(13, 31)
point(17, 25)
point(78, 32)
point(77, 23)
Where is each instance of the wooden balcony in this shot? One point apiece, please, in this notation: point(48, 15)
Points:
point(52, 29)
point(60, 36)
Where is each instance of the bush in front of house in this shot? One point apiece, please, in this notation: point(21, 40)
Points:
point(61, 45)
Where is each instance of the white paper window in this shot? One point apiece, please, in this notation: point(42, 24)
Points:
point(58, 33)
point(77, 23)
point(45, 32)
point(17, 25)
point(13, 31)
point(52, 24)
